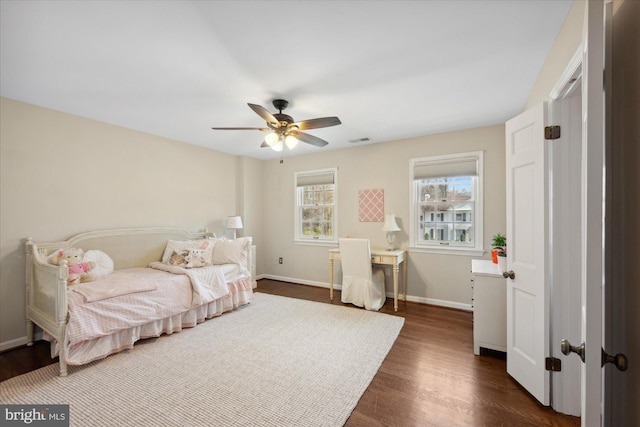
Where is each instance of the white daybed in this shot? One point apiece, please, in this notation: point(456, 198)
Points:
point(83, 328)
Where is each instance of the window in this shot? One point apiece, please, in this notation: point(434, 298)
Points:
point(316, 195)
point(446, 211)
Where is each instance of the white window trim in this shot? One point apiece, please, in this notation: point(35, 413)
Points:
point(478, 249)
point(296, 217)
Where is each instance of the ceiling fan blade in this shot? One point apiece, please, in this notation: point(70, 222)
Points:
point(264, 144)
point(263, 129)
point(310, 139)
point(322, 122)
point(266, 115)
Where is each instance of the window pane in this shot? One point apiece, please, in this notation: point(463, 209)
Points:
point(328, 229)
point(328, 214)
point(328, 197)
point(308, 198)
point(309, 213)
point(306, 228)
point(316, 229)
point(427, 191)
point(462, 188)
point(318, 197)
point(426, 212)
point(441, 232)
point(429, 231)
point(463, 233)
point(443, 189)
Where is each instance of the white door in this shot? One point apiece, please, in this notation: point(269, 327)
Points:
point(593, 196)
point(527, 293)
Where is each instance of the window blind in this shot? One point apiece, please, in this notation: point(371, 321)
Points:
point(321, 178)
point(446, 168)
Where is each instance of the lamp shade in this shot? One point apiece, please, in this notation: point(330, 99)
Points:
point(233, 222)
point(390, 223)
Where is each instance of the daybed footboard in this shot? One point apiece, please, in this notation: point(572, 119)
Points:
point(46, 297)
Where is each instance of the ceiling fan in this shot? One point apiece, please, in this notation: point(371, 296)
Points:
point(283, 130)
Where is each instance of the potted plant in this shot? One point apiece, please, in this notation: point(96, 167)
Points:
point(498, 244)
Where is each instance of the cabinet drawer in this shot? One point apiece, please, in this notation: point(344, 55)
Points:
point(381, 259)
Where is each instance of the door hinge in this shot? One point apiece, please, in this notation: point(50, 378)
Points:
point(553, 364)
point(551, 132)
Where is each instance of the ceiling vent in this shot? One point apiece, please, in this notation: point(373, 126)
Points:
point(355, 141)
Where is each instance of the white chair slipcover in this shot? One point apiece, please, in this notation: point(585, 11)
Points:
point(362, 284)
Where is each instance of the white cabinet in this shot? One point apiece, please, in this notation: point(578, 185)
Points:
point(489, 306)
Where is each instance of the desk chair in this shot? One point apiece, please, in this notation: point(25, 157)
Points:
point(362, 284)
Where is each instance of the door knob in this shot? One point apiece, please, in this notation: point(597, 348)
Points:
point(509, 274)
point(619, 360)
point(566, 348)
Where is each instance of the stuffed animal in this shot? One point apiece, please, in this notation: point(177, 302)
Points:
point(178, 258)
point(77, 269)
point(195, 259)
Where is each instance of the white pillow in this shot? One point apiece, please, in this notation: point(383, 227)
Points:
point(185, 246)
point(104, 263)
point(232, 252)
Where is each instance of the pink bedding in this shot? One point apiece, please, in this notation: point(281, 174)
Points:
point(120, 282)
point(99, 328)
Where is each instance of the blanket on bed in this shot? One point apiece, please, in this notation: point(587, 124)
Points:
point(208, 282)
point(116, 284)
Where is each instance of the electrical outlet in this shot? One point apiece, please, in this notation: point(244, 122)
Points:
point(280, 260)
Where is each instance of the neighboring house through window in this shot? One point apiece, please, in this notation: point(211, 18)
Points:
point(446, 203)
point(316, 208)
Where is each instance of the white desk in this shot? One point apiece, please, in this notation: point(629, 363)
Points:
point(380, 257)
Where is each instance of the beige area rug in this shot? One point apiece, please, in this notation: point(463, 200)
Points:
point(276, 362)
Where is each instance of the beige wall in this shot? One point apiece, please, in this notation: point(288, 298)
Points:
point(564, 47)
point(386, 166)
point(62, 175)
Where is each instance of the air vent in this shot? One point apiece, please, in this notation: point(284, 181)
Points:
point(355, 141)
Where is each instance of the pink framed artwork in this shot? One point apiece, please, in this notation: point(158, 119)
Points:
point(371, 205)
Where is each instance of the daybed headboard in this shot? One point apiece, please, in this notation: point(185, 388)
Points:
point(128, 247)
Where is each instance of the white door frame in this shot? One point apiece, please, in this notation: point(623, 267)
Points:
point(593, 194)
point(565, 240)
point(588, 63)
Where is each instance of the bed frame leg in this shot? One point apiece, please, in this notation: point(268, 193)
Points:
point(63, 367)
point(29, 333)
point(62, 349)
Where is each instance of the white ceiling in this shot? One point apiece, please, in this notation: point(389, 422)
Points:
point(387, 69)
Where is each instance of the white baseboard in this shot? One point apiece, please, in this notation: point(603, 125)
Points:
point(439, 302)
point(421, 300)
point(8, 345)
point(298, 281)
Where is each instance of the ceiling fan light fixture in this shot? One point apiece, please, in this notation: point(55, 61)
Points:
point(284, 130)
point(271, 139)
point(277, 146)
point(291, 141)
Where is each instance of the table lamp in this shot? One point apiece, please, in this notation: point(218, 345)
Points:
point(390, 226)
point(233, 223)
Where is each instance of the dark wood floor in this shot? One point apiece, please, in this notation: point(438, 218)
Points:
point(429, 378)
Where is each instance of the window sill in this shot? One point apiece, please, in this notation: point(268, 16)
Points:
point(315, 242)
point(447, 251)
